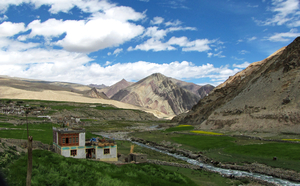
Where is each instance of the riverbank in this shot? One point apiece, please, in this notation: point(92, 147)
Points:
point(252, 168)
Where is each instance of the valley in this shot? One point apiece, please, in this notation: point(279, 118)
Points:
point(248, 123)
point(217, 147)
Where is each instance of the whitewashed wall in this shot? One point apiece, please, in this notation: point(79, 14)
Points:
point(82, 139)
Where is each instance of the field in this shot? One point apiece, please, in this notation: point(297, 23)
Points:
point(228, 149)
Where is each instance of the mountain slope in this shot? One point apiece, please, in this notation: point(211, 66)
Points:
point(263, 97)
point(158, 92)
point(192, 87)
point(19, 88)
point(111, 90)
point(94, 93)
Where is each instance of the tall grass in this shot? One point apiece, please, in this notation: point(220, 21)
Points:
point(52, 169)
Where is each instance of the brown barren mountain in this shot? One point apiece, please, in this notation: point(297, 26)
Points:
point(192, 87)
point(94, 93)
point(263, 97)
point(20, 88)
point(158, 92)
point(112, 90)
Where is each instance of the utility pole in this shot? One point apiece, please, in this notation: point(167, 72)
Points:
point(29, 153)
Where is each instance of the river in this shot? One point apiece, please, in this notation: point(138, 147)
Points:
point(236, 173)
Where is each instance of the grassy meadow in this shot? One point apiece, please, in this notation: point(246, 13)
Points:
point(228, 149)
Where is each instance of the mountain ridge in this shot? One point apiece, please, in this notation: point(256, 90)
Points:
point(264, 97)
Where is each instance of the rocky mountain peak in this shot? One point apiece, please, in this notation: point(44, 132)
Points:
point(158, 92)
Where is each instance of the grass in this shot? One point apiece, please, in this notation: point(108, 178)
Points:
point(180, 128)
point(124, 148)
point(205, 132)
point(204, 178)
point(291, 139)
point(228, 149)
point(204, 142)
point(40, 132)
point(52, 169)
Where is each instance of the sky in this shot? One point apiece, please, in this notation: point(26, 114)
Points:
point(104, 41)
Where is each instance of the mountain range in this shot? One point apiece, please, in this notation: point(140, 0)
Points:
point(263, 97)
point(158, 92)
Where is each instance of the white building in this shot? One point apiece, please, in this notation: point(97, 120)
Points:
point(71, 143)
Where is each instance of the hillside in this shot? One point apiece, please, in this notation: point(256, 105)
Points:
point(14, 88)
point(160, 93)
point(112, 90)
point(263, 97)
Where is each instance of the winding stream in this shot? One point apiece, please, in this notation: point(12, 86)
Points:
point(228, 172)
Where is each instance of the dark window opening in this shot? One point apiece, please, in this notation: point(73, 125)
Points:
point(106, 151)
point(67, 140)
point(73, 152)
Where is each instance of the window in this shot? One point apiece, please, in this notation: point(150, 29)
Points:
point(73, 152)
point(67, 140)
point(64, 140)
point(106, 151)
point(77, 140)
point(73, 140)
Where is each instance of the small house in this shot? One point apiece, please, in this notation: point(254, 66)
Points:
point(71, 143)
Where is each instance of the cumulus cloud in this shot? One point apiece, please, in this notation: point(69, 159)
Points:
point(61, 6)
point(285, 36)
point(108, 26)
point(8, 29)
point(109, 74)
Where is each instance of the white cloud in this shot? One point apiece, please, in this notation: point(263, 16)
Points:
point(153, 44)
point(145, 0)
point(244, 65)
point(155, 33)
point(107, 63)
point(252, 38)
point(174, 23)
point(109, 74)
point(285, 13)
point(56, 6)
point(8, 29)
point(3, 18)
point(87, 36)
point(108, 26)
point(286, 36)
point(118, 51)
point(157, 20)
point(199, 45)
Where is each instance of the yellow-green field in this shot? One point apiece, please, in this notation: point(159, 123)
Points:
point(205, 132)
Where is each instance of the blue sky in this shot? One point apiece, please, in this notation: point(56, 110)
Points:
point(101, 42)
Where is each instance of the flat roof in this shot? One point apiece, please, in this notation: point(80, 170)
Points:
point(68, 130)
